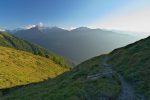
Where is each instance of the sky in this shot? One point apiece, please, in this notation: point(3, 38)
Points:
point(129, 15)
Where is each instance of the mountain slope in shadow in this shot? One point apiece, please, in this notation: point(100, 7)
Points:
point(10, 41)
point(132, 61)
point(78, 44)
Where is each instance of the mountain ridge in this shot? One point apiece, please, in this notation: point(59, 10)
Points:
point(82, 40)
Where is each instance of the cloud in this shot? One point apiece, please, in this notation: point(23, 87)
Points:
point(29, 26)
point(41, 24)
point(71, 28)
point(2, 29)
point(32, 26)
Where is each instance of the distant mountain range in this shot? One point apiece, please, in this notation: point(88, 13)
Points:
point(78, 44)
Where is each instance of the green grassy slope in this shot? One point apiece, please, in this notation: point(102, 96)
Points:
point(72, 85)
point(19, 68)
point(133, 62)
point(8, 40)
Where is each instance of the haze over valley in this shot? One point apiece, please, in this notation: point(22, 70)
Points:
point(77, 44)
point(74, 49)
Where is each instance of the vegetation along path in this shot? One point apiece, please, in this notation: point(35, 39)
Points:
point(127, 91)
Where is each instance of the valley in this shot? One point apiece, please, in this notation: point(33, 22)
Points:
point(78, 44)
point(74, 50)
point(95, 78)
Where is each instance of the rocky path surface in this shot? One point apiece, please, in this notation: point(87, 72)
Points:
point(127, 91)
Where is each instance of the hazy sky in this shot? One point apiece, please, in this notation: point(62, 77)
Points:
point(131, 15)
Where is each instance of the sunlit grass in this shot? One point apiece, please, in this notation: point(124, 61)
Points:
point(18, 68)
point(72, 85)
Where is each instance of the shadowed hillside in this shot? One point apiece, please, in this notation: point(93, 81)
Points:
point(8, 40)
point(78, 44)
point(73, 85)
point(132, 61)
point(94, 79)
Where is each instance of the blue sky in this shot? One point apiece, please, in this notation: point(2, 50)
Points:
point(68, 13)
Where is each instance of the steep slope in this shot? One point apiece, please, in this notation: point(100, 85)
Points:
point(94, 80)
point(132, 61)
point(19, 68)
point(8, 40)
point(76, 84)
point(78, 44)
